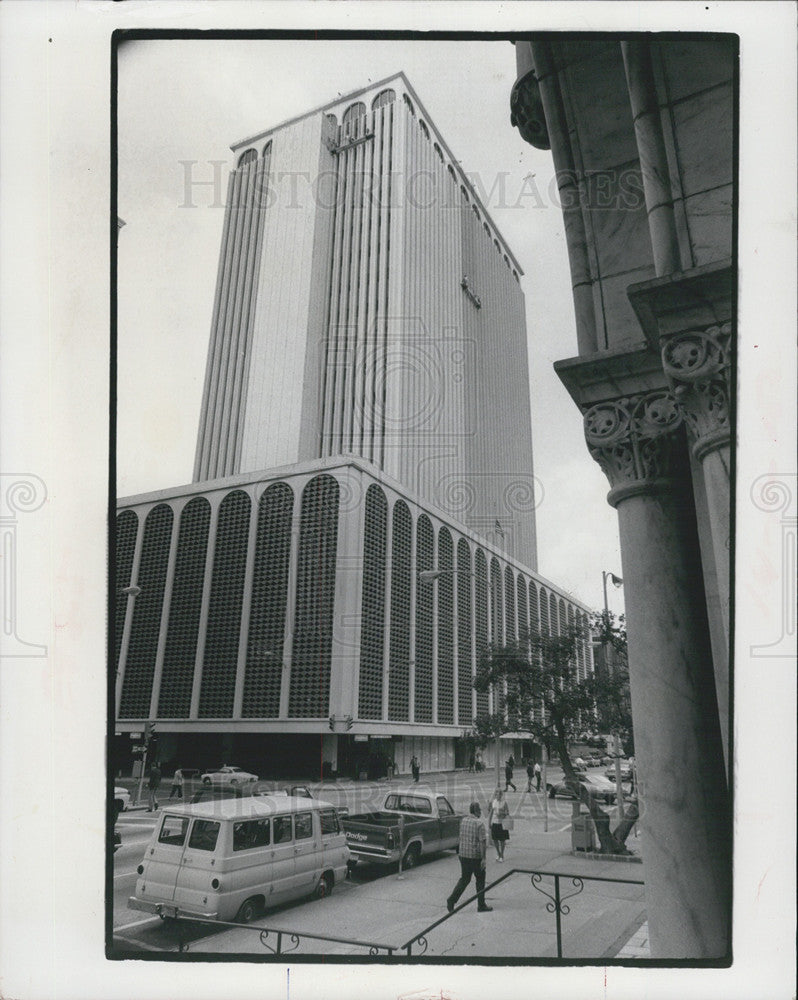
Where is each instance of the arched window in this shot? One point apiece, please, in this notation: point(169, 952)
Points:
point(465, 680)
point(224, 609)
point(177, 678)
point(247, 157)
point(437, 149)
point(353, 117)
point(446, 628)
point(401, 561)
point(127, 526)
point(264, 667)
point(384, 97)
point(425, 553)
point(267, 149)
point(373, 605)
point(409, 104)
point(146, 625)
point(486, 227)
point(452, 174)
point(309, 696)
point(506, 260)
point(544, 611)
point(475, 210)
point(515, 274)
point(464, 195)
point(481, 619)
point(496, 244)
point(424, 130)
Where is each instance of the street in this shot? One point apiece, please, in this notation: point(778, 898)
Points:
point(400, 907)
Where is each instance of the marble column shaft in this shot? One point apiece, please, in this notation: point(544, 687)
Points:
point(639, 442)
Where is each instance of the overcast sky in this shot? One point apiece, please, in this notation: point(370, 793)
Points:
point(189, 100)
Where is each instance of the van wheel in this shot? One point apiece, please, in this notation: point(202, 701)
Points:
point(411, 858)
point(324, 886)
point(206, 781)
point(249, 910)
point(550, 789)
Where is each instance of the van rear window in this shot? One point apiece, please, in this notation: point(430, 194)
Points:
point(253, 833)
point(173, 830)
point(303, 826)
point(204, 835)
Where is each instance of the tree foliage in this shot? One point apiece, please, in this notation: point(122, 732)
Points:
point(537, 689)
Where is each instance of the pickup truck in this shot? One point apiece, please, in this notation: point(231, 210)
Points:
point(410, 825)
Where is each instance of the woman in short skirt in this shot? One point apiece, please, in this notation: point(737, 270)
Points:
point(498, 811)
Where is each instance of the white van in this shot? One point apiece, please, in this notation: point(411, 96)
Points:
point(230, 859)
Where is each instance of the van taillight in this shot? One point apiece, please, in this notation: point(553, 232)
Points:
point(389, 837)
point(140, 869)
point(215, 883)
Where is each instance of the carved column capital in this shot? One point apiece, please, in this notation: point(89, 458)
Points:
point(636, 442)
point(526, 111)
point(696, 364)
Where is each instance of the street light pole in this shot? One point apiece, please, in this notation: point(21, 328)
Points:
point(617, 581)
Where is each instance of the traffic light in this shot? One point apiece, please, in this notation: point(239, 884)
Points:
point(149, 732)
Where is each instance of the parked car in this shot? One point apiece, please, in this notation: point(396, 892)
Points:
point(232, 860)
point(579, 764)
point(228, 776)
point(626, 771)
point(598, 788)
point(428, 825)
point(121, 798)
point(213, 791)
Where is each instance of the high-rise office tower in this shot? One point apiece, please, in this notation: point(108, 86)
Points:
point(361, 525)
point(367, 305)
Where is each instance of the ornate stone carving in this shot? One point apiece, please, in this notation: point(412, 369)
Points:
point(526, 111)
point(696, 365)
point(634, 440)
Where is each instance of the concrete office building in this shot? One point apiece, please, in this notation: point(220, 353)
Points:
point(365, 417)
point(642, 136)
point(282, 622)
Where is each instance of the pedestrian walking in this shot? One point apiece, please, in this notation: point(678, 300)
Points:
point(177, 784)
point(472, 852)
point(508, 776)
point(152, 785)
point(530, 774)
point(499, 812)
point(414, 767)
point(537, 776)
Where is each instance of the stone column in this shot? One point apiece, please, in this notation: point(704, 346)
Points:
point(639, 442)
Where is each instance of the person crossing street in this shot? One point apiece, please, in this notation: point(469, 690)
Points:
point(472, 851)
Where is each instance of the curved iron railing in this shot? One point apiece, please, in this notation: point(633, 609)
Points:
point(556, 904)
point(272, 938)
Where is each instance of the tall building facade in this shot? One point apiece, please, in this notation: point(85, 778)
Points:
point(365, 419)
point(642, 133)
point(367, 305)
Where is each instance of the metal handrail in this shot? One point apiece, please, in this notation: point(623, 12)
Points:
point(294, 936)
point(556, 904)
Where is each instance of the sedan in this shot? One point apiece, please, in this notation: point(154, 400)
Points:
point(597, 787)
point(626, 771)
point(228, 776)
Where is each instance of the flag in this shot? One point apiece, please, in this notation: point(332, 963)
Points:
point(499, 530)
point(616, 580)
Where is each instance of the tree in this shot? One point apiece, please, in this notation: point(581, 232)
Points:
point(611, 685)
point(539, 690)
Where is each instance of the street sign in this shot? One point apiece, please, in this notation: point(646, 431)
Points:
point(135, 736)
point(138, 749)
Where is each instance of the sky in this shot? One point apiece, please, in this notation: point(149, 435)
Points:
point(182, 103)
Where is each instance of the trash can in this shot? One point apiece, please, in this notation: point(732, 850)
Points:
point(582, 833)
